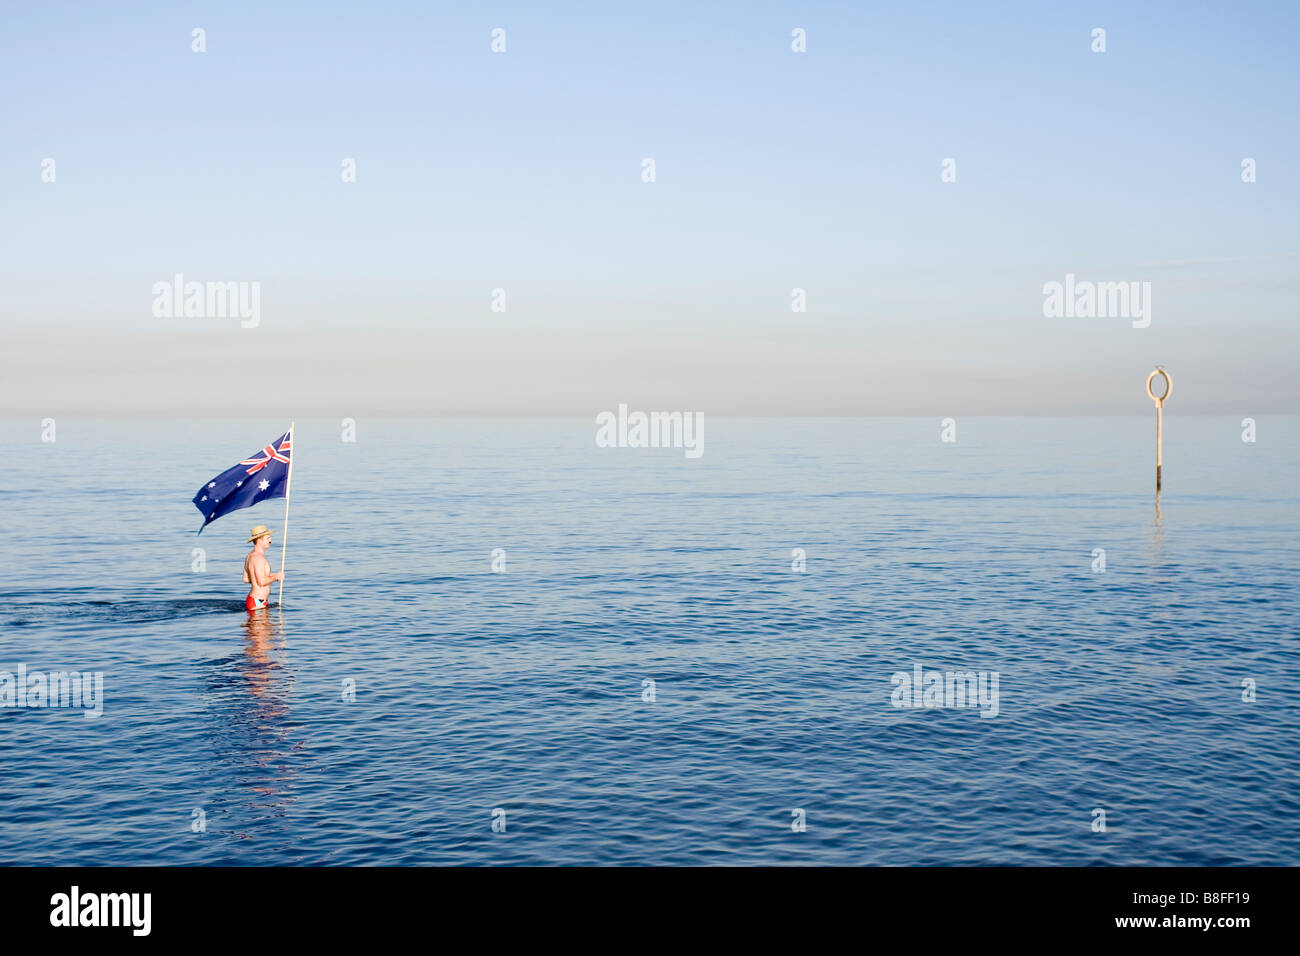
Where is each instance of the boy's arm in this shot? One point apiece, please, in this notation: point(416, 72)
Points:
point(264, 576)
point(247, 579)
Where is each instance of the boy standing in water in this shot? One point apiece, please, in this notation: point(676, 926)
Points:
point(257, 570)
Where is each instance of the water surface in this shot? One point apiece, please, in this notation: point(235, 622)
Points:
point(523, 690)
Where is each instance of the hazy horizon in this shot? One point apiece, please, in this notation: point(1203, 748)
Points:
point(775, 171)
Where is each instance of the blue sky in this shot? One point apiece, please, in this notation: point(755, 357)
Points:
point(775, 170)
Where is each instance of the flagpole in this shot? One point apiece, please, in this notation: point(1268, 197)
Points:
point(288, 488)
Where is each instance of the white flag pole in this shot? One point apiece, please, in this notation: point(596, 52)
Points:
point(288, 489)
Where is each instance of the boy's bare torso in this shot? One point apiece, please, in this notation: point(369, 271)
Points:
point(257, 572)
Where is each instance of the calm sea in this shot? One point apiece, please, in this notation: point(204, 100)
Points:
point(407, 696)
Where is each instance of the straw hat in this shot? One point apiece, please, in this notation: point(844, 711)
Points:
point(258, 531)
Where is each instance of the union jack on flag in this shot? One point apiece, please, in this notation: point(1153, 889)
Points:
point(262, 475)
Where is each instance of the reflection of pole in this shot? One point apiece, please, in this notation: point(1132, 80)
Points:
point(1160, 416)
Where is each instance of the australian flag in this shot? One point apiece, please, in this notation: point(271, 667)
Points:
point(261, 476)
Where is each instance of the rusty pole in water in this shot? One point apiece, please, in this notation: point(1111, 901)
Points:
point(1160, 414)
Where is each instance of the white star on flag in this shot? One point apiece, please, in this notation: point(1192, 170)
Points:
point(264, 484)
